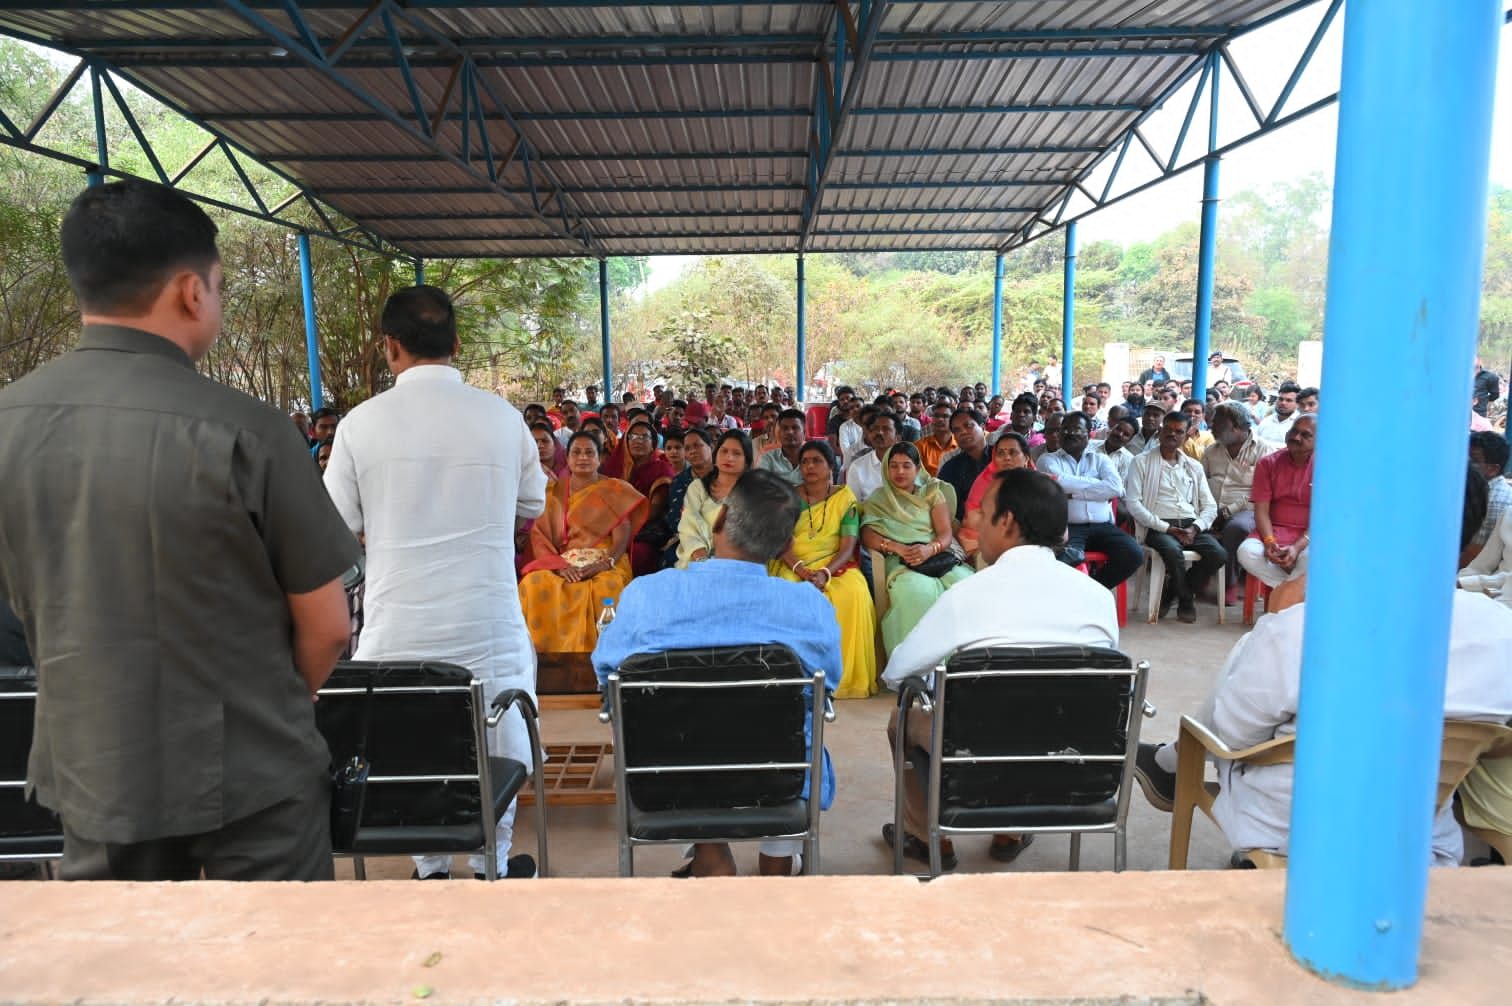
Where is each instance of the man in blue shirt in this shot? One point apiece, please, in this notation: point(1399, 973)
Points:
point(738, 604)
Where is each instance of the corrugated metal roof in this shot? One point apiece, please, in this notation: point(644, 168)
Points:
point(662, 128)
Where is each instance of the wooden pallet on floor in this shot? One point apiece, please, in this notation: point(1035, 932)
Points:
point(576, 775)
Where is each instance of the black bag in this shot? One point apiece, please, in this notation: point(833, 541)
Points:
point(349, 784)
point(940, 563)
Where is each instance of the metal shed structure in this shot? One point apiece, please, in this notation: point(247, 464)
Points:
point(446, 128)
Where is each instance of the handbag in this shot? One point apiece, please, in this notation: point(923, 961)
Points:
point(349, 784)
point(940, 563)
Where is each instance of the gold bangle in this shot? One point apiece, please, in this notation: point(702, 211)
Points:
point(795, 566)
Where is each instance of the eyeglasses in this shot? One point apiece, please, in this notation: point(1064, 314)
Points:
point(638, 436)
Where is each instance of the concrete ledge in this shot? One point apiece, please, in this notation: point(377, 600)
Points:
point(1134, 938)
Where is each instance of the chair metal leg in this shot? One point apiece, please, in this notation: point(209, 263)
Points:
point(936, 867)
point(626, 857)
point(1075, 851)
point(811, 855)
point(1120, 850)
point(359, 868)
point(47, 869)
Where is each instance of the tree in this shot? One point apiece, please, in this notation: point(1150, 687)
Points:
point(698, 352)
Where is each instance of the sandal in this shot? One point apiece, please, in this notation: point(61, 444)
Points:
point(1007, 851)
point(914, 848)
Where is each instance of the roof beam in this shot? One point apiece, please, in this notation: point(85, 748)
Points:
point(415, 123)
point(835, 95)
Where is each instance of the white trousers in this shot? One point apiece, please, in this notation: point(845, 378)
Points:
point(427, 865)
point(1252, 558)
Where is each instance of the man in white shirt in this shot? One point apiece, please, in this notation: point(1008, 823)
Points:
point(1091, 484)
point(438, 510)
point(864, 476)
point(1024, 597)
point(1169, 499)
point(1256, 699)
point(1120, 432)
point(1273, 428)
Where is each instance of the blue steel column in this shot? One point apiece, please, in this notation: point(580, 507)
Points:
point(1404, 274)
point(312, 341)
point(1206, 252)
point(419, 272)
point(608, 389)
point(1068, 315)
point(102, 149)
point(802, 334)
point(997, 328)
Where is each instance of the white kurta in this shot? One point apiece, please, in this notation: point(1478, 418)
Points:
point(434, 472)
point(1256, 699)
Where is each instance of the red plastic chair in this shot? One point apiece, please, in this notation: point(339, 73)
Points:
point(1254, 587)
point(1120, 592)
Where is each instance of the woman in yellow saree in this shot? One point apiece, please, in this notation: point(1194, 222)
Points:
point(579, 552)
point(823, 553)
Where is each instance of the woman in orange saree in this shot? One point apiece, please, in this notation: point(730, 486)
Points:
point(579, 552)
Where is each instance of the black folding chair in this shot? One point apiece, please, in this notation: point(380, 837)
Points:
point(28, 832)
point(709, 747)
point(1025, 739)
point(433, 788)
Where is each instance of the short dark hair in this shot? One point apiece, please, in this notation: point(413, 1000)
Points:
point(1291, 386)
point(1493, 447)
point(1477, 501)
point(1025, 398)
point(823, 447)
point(123, 241)
point(1193, 401)
point(324, 413)
point(1307, 393)
point(1126, 421)
point(976, 417)
point(1076, 418)
point(1037, 503)
point(760, 514)
point(1175, 414)
point(544, 427)
point(879, 415)
point(790, 414)
point(421, 318)
point(675, 433)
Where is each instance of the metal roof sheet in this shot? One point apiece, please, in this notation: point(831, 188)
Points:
point(640, 127)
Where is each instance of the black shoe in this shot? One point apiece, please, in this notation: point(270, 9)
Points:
point(415, 875)
point(915, 848)
point(521, 867)
point(1167, 600)
point(1008, 851)
point(1187, 612)
point(1159, 785)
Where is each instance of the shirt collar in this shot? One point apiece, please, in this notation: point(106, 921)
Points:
point(1025, 553)
point(734, 567)
point(429, 372)
point(123, 339)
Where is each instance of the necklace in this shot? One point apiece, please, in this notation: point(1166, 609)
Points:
point(809, 510)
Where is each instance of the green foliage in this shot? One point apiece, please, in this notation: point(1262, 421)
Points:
point(700, 351)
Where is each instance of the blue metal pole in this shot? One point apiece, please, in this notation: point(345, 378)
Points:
point(997, 328)
point(1415, 103)
point(608, 389)
point(1068, 315)
point(1206, 254)
point(312, 340)
point(419, 272)
point(802, 375)
point(102, 148)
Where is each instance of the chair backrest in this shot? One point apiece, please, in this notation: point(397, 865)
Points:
point(668, 717)
point(423, 745)
point(1020, 724)
point(20, 819)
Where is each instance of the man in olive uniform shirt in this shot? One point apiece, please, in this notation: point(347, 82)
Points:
point(177, 565)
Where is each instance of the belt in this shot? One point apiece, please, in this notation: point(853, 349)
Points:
point(1181, 521)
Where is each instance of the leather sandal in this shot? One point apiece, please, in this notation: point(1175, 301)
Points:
point(914, 848)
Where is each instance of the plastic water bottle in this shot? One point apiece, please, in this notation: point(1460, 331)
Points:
point(606, 614)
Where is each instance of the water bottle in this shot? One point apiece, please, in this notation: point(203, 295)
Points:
point(606, 614)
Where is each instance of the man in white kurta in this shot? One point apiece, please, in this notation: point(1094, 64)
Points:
point(434, 474)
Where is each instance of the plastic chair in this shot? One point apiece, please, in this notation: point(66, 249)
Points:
point(433, 787)
point(29, 833)
point(1153, 572)
point(1037, 739)
point(710, 747)
point(1464, 744)
point(1254, 589)
point(1120, 592)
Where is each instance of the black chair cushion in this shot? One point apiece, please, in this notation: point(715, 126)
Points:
point(40, 846)
point(417, 839)
point(700, 727)
point(727, 824)
point(25, 827)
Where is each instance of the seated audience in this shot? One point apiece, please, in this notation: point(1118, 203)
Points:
point(1149, 429)
point(637, 461)
point(1275, 426)
point(931, 447)
point(908, 521)
point(764, 429)
point(1121, 430)
point(864, 475)
point(1050, 435)
point(1229, 464)
point(1307, 400)
point(970, 459)
point(1010, 452)
point(1488, 454)
point(1198, 438)
point(1282, 494)
point(731, 601)
point(706, 494)
point(698, 452)
point(1091, 484)
point(1256, 696)
point(571, 418)
point(613, 418)
point(823, 553)
point(594, 427)
point(783, 461)
point(579, 552)
point(1024, 597)
point(1173, 508)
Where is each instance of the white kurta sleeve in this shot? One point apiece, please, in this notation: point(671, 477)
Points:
point(1258, 689)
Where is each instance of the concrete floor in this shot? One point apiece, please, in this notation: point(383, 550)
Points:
point(1184, 661)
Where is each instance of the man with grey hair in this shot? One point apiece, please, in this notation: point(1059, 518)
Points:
point(737, 604)
point(1229, 464)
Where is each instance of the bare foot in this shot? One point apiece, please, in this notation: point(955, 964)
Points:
point(713, 859)
point(775, 866)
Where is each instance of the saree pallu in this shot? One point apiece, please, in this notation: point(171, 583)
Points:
point(815, 544)
point(649, 477)
point(905, 518)
point(562, 616)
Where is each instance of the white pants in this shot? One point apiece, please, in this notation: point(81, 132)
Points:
point(776, 848)
point(427, 865)
point(1252, 558)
